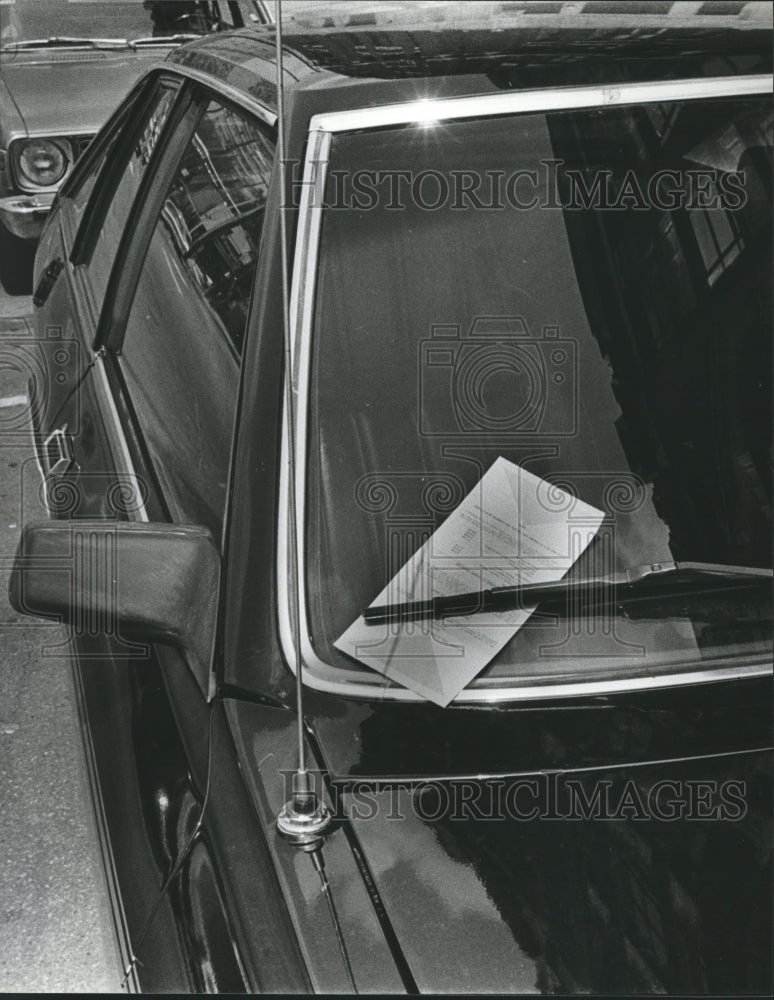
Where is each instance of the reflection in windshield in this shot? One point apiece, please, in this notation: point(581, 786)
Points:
point(116, 19)
point(583, 294)
point(214, 211)
point(681, 317)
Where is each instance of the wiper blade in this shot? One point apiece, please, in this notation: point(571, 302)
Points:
point(62, 40)
point(639, 583)
point(163, 40)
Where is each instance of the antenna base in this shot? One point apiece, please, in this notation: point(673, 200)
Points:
point(303, 828)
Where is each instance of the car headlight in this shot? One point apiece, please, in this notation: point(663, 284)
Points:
point(43, 161)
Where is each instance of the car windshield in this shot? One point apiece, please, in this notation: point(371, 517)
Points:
point(40, 20)
point(582, 293)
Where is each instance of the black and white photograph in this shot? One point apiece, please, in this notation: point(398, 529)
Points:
point(385, 497)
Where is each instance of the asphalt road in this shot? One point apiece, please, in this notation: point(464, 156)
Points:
point(56, 931)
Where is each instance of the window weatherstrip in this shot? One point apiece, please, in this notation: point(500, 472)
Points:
point(322, 676)
point(223, 89)
point(180, 125)
point(122, 457)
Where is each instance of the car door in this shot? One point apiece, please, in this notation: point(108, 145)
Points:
point(175, 351)
point(161, 237)
point(81, 453)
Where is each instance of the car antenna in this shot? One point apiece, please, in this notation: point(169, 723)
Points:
point(304, 816)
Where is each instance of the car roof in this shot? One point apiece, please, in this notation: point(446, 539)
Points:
point(520, 44)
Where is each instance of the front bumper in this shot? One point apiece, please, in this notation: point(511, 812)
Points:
point(24, 214)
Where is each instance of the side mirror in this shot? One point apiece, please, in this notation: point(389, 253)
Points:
point(154, 582)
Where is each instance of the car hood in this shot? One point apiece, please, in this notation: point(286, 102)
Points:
point(64, 91)
point(529, 886)
point(566, 849)
point(606, 848)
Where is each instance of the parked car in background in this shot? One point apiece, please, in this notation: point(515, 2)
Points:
point(530, 235)
point(64, 66)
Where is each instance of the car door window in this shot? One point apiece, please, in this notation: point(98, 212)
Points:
point(77, 191)
point(111, 214)
point(184, 333)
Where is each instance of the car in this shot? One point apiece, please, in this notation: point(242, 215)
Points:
point(60, 78)
point(480, 326)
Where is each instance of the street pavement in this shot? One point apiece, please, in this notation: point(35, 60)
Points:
point(56, 931)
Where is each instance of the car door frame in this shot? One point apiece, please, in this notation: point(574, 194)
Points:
point(196, 92)
point(235, 877)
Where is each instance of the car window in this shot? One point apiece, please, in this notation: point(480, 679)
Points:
point(77, 191)
point(119, 20)
point(108, 225)
point(185, 328)
point(584, 293)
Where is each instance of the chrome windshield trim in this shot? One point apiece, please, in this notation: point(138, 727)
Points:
point(355, 686)
point(520, 102)
point(301, 314)
point(365, 684)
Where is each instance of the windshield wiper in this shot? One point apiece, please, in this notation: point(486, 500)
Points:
point(639, 583)
point(163, 40)
point(100, 43)
point(62, 40)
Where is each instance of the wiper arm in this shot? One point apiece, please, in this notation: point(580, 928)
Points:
point(61, 40)
point(163, 40)
point(657, 580)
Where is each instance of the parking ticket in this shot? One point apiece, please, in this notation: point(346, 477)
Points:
point(512, 529)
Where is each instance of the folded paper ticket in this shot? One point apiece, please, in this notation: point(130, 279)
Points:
point(512, 529)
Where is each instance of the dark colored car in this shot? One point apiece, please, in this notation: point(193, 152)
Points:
point(64, 67)
point(521, 238)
